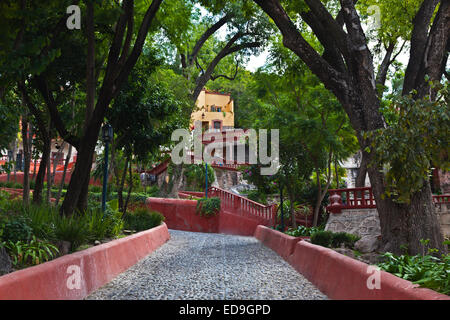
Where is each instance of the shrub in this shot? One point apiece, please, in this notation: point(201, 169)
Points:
point(257, 196)
point(303, 231)
point(34, 252)
point(17, 229)
point(427, 271)
point(322, 238)
point(41, 220)
point(143, 219)
point(208, 207)
point(73, 229)
point(94, 188)
point(347, 239)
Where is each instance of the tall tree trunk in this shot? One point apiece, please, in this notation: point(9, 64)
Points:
point(61, 185)
point(27, 157)
point(39, 183)
point(49, 175)
point(34, 169)
point(57, 159)
point(130, 187)
point(336, 172)
point(291, 210)
point(121, 184)
point(362, 172)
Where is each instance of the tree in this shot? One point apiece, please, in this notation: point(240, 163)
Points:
point(206, 58)
point(346, 68)
point(143, 116)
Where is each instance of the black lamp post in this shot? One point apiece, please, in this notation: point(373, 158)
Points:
point(107, 136)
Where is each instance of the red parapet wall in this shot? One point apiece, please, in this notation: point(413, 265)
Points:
point(54, 280)
point(181, 214)
point(58, 178)
point(339, 276)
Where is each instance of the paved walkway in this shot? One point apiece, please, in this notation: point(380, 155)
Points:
point(210, 266)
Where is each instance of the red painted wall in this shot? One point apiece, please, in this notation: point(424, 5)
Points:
point(58, 178)
point(339, 276)
point(98, 265)
point(181, 214)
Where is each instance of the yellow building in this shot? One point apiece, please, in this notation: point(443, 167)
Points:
point(215, 110)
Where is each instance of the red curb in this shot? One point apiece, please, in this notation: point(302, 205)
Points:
point(97, 265)
point(338, 276)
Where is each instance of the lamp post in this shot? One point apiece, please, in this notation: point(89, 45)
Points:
point(107, 136)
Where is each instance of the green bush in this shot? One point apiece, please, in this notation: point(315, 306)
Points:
point(28, 253)
point(73, 229)
point(94, 188)
point(303, 231)
point(208, 207)
point(427, 271)
point(17, 229)
point(41, 219)
point(347, 239)
point(257, 196)
point(322, 238)
point(143, 219)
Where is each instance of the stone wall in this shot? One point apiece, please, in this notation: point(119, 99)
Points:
point(444, 217)
point(366, 224)
point(361, 222)
point(225, 179)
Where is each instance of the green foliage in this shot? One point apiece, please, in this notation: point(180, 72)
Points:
point(418, 139)
point(195, 176)
point(73, 229)
point(257, 196)
point(322, 238)
point(208, 207)
point(303, 231)
point(426, 270)
point(17, 229)
point(334, 240)
point(28, 253)
point(347, 239)
point(143, 219)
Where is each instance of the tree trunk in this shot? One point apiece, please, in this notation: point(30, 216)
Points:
point(407, 224)
point(39, 183)
point(76, 196)
point(27, 157)
point(291, 210)
point(362, 172)
point(130, 187)
point(66, 164)
point(49, 175)
point(121, 184)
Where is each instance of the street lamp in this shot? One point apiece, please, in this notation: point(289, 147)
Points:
point(107, 137)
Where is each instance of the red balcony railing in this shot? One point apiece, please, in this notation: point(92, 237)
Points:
point(362, 198)
point(243, 206)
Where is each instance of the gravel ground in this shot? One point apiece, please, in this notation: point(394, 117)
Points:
point(207, 266)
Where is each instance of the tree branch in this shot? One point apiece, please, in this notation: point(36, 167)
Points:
point(419, 39)
point(205, 36)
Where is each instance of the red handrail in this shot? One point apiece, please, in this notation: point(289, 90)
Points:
point(362, 198)
point(244, 206)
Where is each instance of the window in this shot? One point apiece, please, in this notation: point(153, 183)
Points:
point(216, 124)
point(218, 109)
